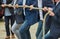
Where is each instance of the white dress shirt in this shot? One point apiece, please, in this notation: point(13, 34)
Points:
point(57, 2)
point(40, 11)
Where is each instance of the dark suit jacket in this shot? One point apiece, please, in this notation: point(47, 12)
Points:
point(19, 13)
point(55, 25)
point(48, 3)
point(31, 16)
point(19, 16)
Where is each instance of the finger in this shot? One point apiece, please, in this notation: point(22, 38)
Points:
point(30, 8)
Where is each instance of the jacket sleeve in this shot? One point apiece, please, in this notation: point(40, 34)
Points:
point(19, 10)
point(34, 2)
point(57, 15)
point(48, 3)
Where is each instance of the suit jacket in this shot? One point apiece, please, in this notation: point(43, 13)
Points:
point(19, 16)
point(55, 25)
point(48, 3)
point(19, 13)
point(31, 16)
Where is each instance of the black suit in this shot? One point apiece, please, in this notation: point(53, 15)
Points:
point(45, 3)
point(7, 18)
point(19, 13)
point(55, 25)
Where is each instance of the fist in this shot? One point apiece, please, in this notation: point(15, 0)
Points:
point(45, 9)
point(3, 5)
point(24, 6)
point(50, 9)
point(51, 13)
point(9, 5)
point(31, 7)
point(16, 6)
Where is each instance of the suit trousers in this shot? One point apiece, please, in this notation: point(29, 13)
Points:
point(7, 18)
point(15, 29)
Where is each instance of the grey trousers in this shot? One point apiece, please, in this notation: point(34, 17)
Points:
point(15, 29)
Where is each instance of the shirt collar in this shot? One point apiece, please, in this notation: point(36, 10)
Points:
point(57, 2)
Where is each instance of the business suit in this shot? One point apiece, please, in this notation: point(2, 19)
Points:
point(31, 18)
point(55, 25)
point(8, 15)
point(19, 19)
point(45, 3)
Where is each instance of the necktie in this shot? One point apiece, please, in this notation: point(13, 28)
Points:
point(40, 11)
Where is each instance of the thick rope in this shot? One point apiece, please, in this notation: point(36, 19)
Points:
point(21, 6)
point(44, 21)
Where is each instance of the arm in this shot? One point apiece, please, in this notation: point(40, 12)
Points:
point(56, 16)
point(33, 3)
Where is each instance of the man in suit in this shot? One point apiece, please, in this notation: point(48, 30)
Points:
point(9, 17)
point(19, 19)
point(55, 24)
point(45, 4)
point(31, 17)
